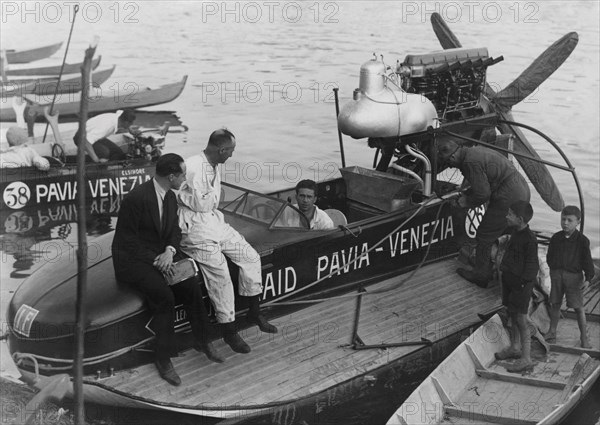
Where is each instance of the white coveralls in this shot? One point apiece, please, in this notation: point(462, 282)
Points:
point(207, 238)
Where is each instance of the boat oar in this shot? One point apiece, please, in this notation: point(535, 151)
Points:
point(62, 67)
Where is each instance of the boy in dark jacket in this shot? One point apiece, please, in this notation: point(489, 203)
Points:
point(519, 272)
point(569, 258)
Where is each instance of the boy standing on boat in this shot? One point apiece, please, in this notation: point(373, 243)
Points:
point(493, 179)
point(146, 239)
point(519, 273)
point(208, 239)
point(569, 259)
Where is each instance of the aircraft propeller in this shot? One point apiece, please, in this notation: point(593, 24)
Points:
point(501, 103)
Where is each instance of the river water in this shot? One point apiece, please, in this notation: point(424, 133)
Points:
point(266, 70)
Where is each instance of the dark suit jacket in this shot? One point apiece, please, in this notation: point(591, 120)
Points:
point(138, 237)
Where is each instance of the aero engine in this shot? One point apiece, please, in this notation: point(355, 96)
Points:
point(448, 84)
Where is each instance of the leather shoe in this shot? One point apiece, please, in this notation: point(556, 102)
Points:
point(167, 372)
point(262, 323)
point(236, 343)
point(210, 351)
point(473, 277)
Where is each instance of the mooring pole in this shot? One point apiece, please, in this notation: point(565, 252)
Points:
point(337, 113)
point(62, 67)
point(81, 238)
point(354, 339)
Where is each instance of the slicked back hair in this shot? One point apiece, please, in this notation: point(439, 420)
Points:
point(169, 163)
point(307, 184)
point(220, 137)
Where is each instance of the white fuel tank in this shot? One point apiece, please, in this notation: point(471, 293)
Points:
point(380, 109)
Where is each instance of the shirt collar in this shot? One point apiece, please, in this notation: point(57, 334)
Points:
point(160, 192)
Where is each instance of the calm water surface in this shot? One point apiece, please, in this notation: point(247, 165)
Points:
point(266, 72)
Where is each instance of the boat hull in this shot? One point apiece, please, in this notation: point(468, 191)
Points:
point(69, 68)
point(472, 385)
point(28, 187)
point(26, 56)
point(297, 264)
point(69, 104)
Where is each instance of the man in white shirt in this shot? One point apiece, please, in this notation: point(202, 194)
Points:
point(306, 196)
point(97, 145)
point(19, 154)
point(208, 239)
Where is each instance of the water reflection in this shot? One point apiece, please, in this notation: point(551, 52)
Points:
point(26, 234)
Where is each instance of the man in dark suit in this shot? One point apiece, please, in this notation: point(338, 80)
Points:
point(145, 244)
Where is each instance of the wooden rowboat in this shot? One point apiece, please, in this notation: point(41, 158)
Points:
point(26, 56)
point(68, 105)
point(69, 68)
point(15, 89)
point(45, 87)
point(470, 386)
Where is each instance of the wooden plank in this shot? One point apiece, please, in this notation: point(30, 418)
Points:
point(576, 376)
point(280, 369)
point(474, 358)
point(441, 392)
point(518, 379)
point(458, 413)
point(575, 350)
point(570, 314)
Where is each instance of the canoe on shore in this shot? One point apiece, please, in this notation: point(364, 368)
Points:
point(45, 87)
point(68, 105)
point(470, 386)
point(30, 55)
point(69, 68)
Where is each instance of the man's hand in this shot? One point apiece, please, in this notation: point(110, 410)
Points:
point(164, 262)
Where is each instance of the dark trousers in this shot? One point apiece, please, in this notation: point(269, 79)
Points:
point(161, 299)
point(106, 148)
point(493, 223)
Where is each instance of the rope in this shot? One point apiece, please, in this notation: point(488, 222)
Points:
point(62, 67)
point(18, 357)
point(421, 207)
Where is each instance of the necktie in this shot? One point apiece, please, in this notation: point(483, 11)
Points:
point(166, 216)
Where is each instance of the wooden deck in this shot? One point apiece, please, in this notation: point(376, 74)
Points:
point(311, 353)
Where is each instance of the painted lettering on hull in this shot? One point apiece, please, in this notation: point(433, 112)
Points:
point(279, 282)
point(411, 239)
point(98, 188)
point(343, 261)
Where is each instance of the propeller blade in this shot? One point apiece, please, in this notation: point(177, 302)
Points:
point(543, 67)
point(537, 172)
point(446, 37)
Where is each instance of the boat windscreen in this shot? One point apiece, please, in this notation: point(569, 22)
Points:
point(276, 213)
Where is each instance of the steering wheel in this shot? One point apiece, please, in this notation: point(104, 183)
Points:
point(59, 153)
point(267, 207)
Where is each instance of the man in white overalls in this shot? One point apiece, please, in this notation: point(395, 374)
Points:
point(208, 239)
